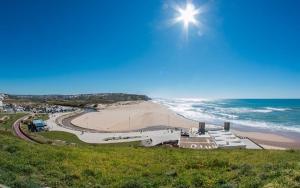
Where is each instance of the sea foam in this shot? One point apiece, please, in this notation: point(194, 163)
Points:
point(218, 111)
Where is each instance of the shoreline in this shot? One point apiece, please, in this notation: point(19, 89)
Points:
point(270, 139)
point(264, 137)
point(147, 115)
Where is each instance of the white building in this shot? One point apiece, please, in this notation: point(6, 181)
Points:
point(1, 105)
point(225, 139)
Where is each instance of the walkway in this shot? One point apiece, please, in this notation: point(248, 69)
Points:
point(157, 137)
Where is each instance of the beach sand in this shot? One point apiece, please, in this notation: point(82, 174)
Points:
point(270, 140)
point(132, 116)
point(129, 116)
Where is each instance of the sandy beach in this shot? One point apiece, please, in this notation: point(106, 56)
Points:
point(129, 116)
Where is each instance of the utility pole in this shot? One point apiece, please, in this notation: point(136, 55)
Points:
point(129, 122)
point(87, 122)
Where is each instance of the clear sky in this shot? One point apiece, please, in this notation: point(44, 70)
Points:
point(241, 49)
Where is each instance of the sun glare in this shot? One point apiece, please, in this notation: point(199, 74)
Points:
point(187, 15)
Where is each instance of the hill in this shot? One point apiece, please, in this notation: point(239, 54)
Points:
point(76, 164)
point(80, 100)
point(31, 165)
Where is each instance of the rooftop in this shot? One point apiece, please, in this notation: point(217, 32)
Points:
point(39, 123)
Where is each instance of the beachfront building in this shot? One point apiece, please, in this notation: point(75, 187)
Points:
point(1, 105)
point(226, 139)
point(37, 125)
point(200, 138)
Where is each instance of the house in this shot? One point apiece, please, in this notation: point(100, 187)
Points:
point(37, 125)
point(202, 138)
point(1, 105)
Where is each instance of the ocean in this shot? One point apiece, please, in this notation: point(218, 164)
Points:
point(271, 114)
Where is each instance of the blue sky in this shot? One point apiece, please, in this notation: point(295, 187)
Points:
point(245, 49)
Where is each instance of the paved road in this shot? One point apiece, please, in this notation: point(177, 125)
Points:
point(17, 129)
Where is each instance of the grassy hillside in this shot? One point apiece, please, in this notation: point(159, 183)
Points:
point(80, 100)
point(31, 165)
point(76, 164)
point(6, 125)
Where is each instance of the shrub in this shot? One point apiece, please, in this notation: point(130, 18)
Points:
point(71, 178)
point(132, 184)
point(199, 181)
point(11, 149)
point(171, 173)
point(89, 172)
point(291, 150)
point(181, 183)
point(297, 178)
point(27, 183)
point(218, 163)
point(245, 170)
point(253, 183)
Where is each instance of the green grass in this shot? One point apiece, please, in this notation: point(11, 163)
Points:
point(32, 165)
point(7, 125)
point(75, 101)
point(64, 138)
point(41, 116)
point(59, 135)
point(70, 138)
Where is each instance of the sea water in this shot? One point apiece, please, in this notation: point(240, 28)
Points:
point(272, 114)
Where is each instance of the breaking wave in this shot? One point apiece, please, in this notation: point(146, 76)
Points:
point(251, 115)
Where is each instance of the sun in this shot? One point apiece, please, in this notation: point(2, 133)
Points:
point(187, 15)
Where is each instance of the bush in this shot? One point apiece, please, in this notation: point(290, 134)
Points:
point(181, 183)
point(297, 178)
point(70, 179)
point(253, 183)
point(218, 163)
point(199, 181)
point(132, 184)
point(89, 173)
point(11, 149)
point(27, 183)
point(245, 170)
point(171, 173)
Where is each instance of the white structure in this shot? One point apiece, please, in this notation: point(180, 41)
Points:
point(226, 139)
point(160, 137)
point(1, 105)
point(2, 96)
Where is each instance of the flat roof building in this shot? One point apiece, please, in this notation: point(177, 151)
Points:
point(1, 105)
point(37, 125)
point(225, 139)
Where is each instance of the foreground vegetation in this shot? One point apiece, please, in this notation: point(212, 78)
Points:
point(32, 165)
point(6, 124)
point(77, 164)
